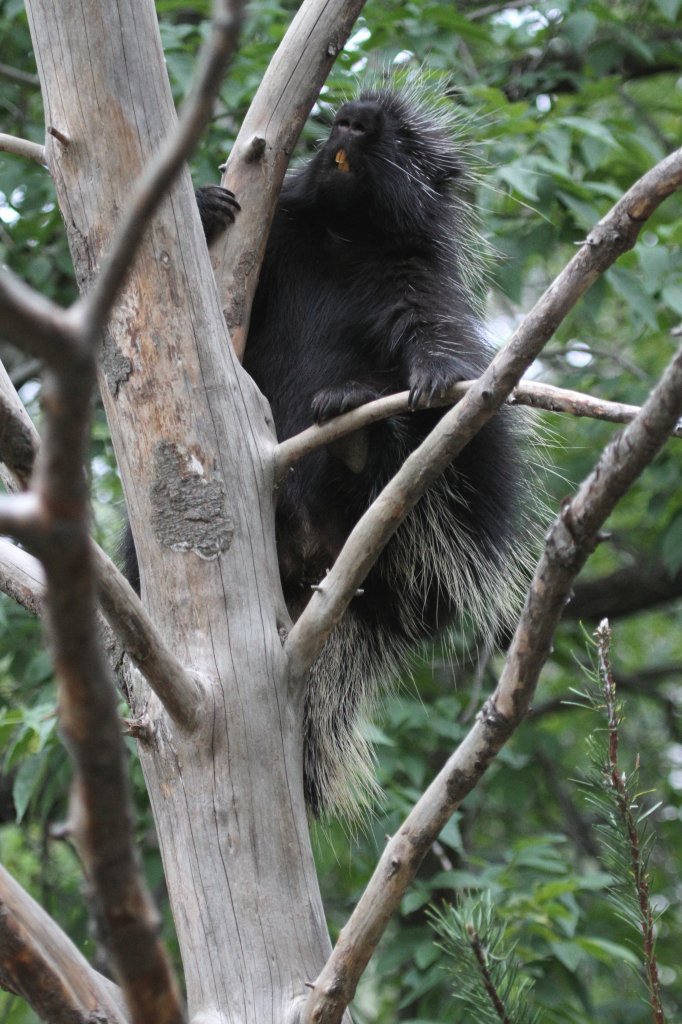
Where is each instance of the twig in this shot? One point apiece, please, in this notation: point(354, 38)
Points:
point(22, 147)
point(572, 538)
point(258, 160)
point(615, 234)
point(527, 393)
point(646, 683)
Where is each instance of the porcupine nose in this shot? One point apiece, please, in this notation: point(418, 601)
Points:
point(363, 117)
point(356, 124)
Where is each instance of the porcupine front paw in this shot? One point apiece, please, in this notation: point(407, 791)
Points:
point(217, 209)
point(330, 402)
point(430, 381)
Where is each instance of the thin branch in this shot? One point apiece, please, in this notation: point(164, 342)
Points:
point(571, 540)
point(644, 584)
point(527, 393)
point(150, 189)
point(34, 323)
point(23, 77)
point(39, 962)
point(258, 160)
point(22, 147)
point(616, 233)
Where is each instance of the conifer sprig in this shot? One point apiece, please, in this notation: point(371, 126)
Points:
point(622, 830)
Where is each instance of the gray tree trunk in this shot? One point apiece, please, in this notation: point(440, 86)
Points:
point(192, 437)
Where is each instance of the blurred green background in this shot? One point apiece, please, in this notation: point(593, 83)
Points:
point(563, 106)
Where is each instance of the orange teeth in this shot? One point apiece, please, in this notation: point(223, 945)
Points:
point(342, 161)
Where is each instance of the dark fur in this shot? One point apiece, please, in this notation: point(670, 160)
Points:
point(364, 292)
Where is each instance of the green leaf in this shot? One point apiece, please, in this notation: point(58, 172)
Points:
point(27, 781)
point(607, 951)
point(568, 953)
point(672, 296)
point(581, 28)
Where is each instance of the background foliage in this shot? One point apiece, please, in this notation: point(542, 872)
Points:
point(566, 104)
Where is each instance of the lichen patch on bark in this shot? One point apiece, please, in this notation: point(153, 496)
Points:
point(189, 511)
point(115, 366)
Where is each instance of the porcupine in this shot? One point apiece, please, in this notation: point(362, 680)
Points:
point(366, 289)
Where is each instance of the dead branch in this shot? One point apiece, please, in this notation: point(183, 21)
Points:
point(39, 962)
point(615, 234)
point(256, 166)
point(571, 540)
point(22, 147)
point(526, 393)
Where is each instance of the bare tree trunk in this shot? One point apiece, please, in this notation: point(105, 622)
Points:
point(194, 444)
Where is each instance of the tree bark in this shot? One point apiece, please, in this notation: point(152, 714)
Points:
point(194, 443)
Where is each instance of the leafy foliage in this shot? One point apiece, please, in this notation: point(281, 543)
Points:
point(567, 104)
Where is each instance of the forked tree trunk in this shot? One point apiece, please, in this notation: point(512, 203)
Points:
point(192, 437)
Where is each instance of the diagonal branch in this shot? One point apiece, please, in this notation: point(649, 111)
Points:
point(39, 962)
point(615, 234)
point(571, 540)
